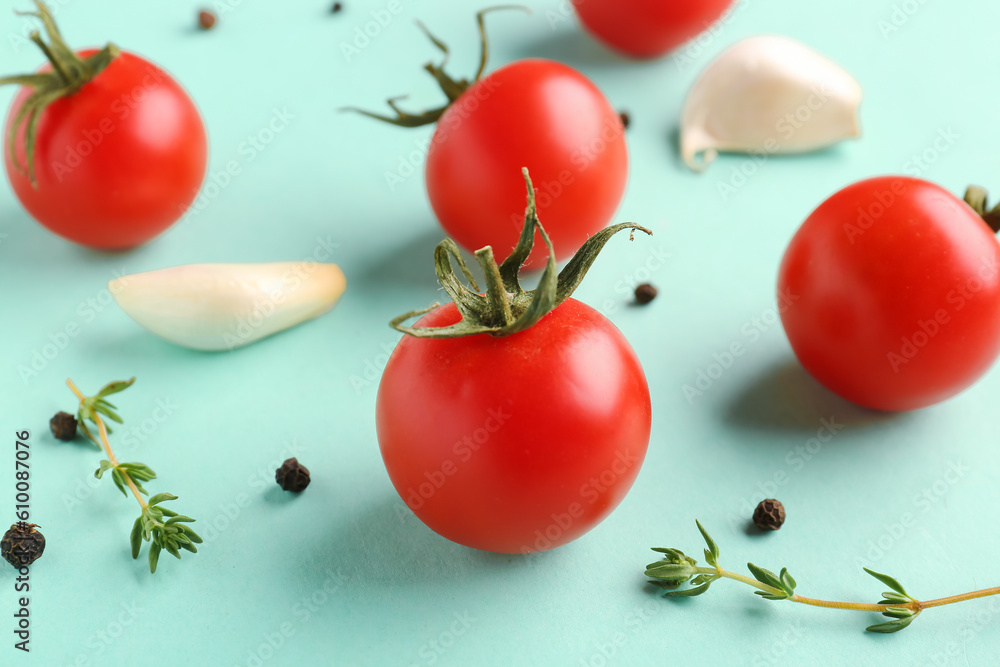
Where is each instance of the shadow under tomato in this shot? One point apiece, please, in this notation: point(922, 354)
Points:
point(386, 547)
point(786, 398)
point(407, 265)
point(574, 47)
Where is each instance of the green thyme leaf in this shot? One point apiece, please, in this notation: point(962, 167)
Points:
point(771, 596)
point(119, 480)
point(154, 557)
point(765, 576)
point(161, 497)
point(890, 582)
point(898, 612)
point(787, 582)
point(105, 466)
point(193, 536)
point(136, 538)
point(107, 412)
point(712, 553)
point(115, 387)
point(892, 626)
point(688, 592)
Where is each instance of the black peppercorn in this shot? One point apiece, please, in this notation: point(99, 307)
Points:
point(22, 545)
point(769, 515)
point(63, 426)
point(292, 476)
point(626, 119)
point(337, 7)
point(645, 293)
point(206, 20)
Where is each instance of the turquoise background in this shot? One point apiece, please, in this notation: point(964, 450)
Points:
point(344, 571)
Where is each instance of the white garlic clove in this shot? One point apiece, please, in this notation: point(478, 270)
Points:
point(768, 94)
point(225, 306)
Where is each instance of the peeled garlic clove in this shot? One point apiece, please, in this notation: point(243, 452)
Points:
point(768, 94)
point(225, 306)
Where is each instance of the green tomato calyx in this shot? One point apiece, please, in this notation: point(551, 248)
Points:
point(452, 88)
point(506, 308)
point(69, 73)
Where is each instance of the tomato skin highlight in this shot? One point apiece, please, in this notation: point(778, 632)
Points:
point(648, 28)
point(520, 443)
point(116, 162)
point(894, 286)
point(537, 114)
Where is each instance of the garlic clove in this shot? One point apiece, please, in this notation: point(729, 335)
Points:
point(225, 306)
point(768, 94)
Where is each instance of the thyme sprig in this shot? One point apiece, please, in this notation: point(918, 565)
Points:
point(675, 569)
point(164, 529)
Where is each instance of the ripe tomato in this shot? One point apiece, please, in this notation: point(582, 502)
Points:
point(515, 444)
point(537, 114)
point(648, 28)
point(116, 162)
point(895, 292)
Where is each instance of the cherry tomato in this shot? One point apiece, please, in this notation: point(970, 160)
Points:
point(892, 289)
point(537, 114)
point(515, 444)
point(116, 162)
point(648, 28)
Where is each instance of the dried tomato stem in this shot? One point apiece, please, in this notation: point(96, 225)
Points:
point(451, 87)
point(976, 197)
point(506, 308)
point(69, 73)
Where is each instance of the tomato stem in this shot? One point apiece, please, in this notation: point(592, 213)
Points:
point(976, 197)
point(452, 88)
point(506, 308)
point(69, 73)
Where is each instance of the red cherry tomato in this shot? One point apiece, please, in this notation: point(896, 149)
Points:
point(515, 444)
point(116, 162)
point(648, 28)
point(893, 293)
point(537, 114)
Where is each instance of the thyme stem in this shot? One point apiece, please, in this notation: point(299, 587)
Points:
point(105, 444)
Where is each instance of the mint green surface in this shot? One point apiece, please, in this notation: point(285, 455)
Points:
point(343, 574)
